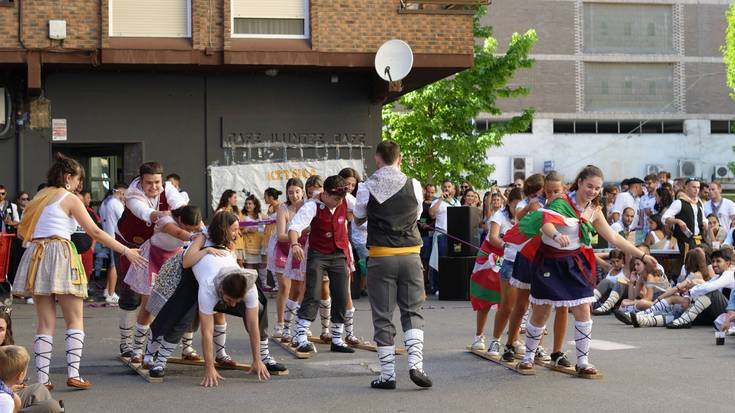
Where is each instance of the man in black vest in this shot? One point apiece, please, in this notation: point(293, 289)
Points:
point(686, 217)
point(392, 204)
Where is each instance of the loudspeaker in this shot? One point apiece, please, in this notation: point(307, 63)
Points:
point(454, 278)
point(463, 223)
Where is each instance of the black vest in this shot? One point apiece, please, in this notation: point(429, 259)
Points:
point(687, 215)
point(393, 223)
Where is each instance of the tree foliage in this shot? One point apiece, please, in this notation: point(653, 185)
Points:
point(435, 124)
point(728, 52)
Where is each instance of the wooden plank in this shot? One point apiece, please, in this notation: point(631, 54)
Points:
point(567, 370)
point(239, 366)
point(292, 350)
point(498, 360)
point(362, 345)
point(138, 368)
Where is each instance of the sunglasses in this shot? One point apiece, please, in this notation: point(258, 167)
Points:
point(24, 199)
point(465, 187)
point(2, 193)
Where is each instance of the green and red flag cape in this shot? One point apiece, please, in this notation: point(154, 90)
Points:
point(485, 279)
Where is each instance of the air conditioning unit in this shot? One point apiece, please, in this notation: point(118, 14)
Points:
point(688, 167)
point(520, 168)
point(721, 171)
point(654, 169)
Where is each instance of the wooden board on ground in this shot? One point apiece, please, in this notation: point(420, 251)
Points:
point(362, 345)
point(567, 370)
point(239, 366)
point(498, 360)
point(138, 368)
point(293, 351)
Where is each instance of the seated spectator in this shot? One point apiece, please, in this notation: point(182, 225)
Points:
point(614, 273)
point(29, 398)
point(715, 235)
point(624, 226)
point(665, 177)
point(645, 286)
point(722, 208)
point(658, 238)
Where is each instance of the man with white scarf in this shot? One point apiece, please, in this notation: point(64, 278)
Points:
point(392, 204)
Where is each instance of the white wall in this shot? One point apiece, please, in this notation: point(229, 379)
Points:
point(620, 156)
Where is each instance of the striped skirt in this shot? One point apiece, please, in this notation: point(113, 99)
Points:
point(51, 266)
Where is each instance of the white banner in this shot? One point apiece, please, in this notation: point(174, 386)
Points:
point(256, 178)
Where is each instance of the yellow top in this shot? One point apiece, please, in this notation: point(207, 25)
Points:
point(393, 251)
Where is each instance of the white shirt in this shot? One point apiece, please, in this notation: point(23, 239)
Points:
point(726, 280)
point(363, 197)
point(441, 213)
point(14, 214)
point(206, 270)
point(306, 214)
point(110, 212)
point(143, 209)
point(725, 212)
point(7, 404)
point(501, 218)
point(675, 208)
point(625, 200)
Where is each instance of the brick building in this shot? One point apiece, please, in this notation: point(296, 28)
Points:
point(632, 86)
point(178, 80)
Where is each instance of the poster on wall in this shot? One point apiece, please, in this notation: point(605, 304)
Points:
point(256, 178)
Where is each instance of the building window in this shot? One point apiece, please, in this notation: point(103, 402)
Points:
point(150, 18)
point(622, 127)
point(605, 89)
point(722, 126)
point(270, 19)
point(628, 28)
point(632, 87)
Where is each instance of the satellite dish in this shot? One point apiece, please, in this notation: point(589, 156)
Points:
point(394, 60)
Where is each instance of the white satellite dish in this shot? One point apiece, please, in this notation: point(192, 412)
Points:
point(394, 60)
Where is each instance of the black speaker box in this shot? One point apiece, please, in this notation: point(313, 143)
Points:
point(463, 223)
point(454, 278)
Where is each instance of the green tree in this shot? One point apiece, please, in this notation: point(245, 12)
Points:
point(434, 125)
point(728, 52)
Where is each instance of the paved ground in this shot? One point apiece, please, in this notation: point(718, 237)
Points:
point(658, 370)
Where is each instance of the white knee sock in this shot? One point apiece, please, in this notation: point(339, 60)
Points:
point(74, 346)
point(533, 338)
point(126, 324)
point(164, 352)
point(220, 340)
point(695, 308)
point(187, 342)
point(350, 322)
point(597, 294)
point(612, 299)
point(141, 333)
point(413, 339)
point(263, 275)
point(43, 347)
point(151, 348)
point(289, 315)
point(387, 357)
point(337, 329)
point(325, 311)
point(265, 354)
point(300, 336)
point(582, 339)
point(659, 307)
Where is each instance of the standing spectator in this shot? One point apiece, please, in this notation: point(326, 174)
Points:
point(17, 250)
point(664, 198)
point(716, 235)
point(665, 177)
point(471, 198)
point(464, 187)
point(175, 180)
point(722, 208)
point(493, 204)
point(111, 210)
point(9, 217)
point(518, 183)
point(686, 217)
point(609, 194)
point(629, 199)
point(426, 234)
point(704, 192)
point(648, 202)
point(438, 211)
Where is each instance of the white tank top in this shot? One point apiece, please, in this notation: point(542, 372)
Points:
point(54, 222)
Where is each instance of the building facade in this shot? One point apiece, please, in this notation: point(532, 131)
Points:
point(192, 83)
point(631, 86)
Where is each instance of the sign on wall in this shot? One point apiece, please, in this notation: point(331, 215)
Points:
point(58, 130)
point(256, 178)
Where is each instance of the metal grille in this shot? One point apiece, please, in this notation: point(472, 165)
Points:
point(629, 87)
point(628, 28)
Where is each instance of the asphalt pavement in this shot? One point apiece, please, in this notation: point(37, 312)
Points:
point(651, 369)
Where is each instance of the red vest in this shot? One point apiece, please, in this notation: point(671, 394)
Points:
point(135, 231)
point(329, 231)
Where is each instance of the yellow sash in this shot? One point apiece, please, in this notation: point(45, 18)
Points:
point(70, 253)
point(34, 209)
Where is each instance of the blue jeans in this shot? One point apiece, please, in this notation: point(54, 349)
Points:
point(506, 270)
point(441, 245)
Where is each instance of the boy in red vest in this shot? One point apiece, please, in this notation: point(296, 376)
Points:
point(326, 215)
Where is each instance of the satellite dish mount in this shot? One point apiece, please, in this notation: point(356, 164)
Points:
point(393, 62)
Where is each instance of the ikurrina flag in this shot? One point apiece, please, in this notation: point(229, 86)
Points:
point(485, 279)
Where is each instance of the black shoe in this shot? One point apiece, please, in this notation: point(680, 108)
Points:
point(363, 293)
point(560, 359)
point(127, 354)
point(597, 311)
point(306, 348)
point(634, 319)
point(623, 317)
point(678, 326)
point(157, 371)
point(509, 354)
point(341, 348)
point(275, 367)
point(420, 378)
point(380, 384)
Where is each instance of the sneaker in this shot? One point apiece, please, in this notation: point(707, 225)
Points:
point(560, 359)
point(494, 349)
point(542, 355)
point(157, 371)
point(112, 299)
point(341, 348)
point(479, 343)
point(509, 354)
point(29, 300)
point(306, 348)
point(273, 366)
point(731, 331)
point(383, 384)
